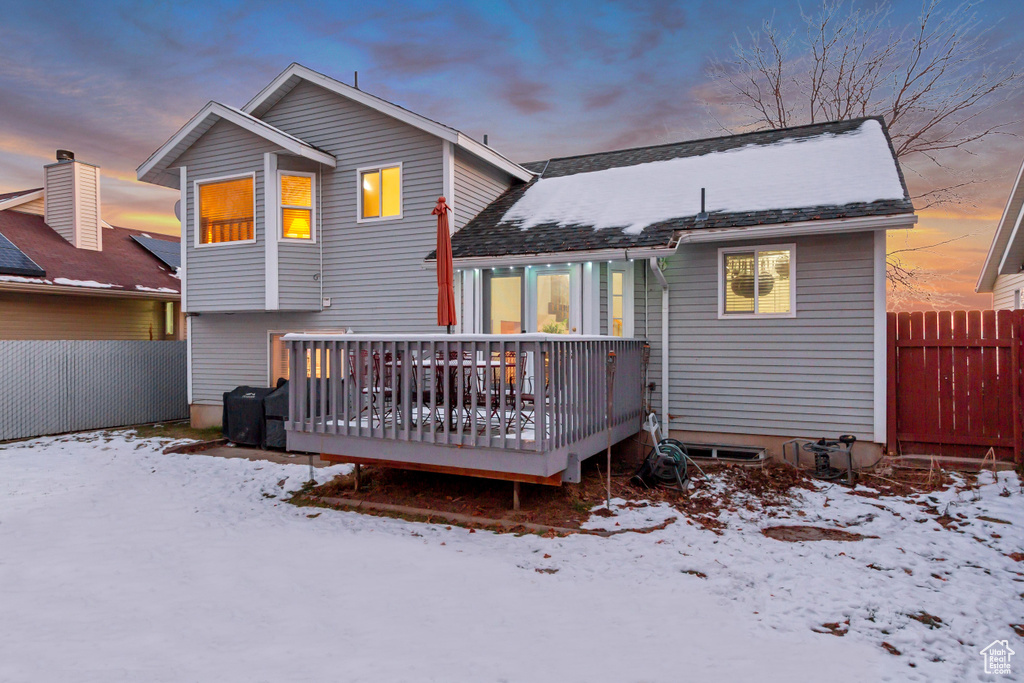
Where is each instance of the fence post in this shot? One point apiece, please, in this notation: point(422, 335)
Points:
point(891, 369)
point(1015, 369)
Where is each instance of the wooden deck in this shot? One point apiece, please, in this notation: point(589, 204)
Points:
point(526, 407)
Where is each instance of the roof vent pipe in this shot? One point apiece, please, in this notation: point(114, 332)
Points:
point(703, 215)
point(65, 155)
point(355, 80)
point(485, 138)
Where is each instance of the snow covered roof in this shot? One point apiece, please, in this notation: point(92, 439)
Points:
point(643, 197)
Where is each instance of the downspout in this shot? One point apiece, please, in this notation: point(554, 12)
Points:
point(660, 277)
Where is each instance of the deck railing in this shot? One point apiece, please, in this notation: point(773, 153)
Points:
point(526, 392)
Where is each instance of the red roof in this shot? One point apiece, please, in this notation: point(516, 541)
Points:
point(123, 262)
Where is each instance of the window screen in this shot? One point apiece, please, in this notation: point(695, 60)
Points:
point(226, 211)
point(381, 192)
point(758, 282)
point(296, 206)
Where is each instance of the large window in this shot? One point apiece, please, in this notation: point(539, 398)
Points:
point(380, 192)
point(503, 302)
point(757, 281)
point(297, 206)
point(553, 303)
point(226, 210)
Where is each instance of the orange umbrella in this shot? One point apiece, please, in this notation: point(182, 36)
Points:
point(445, 271)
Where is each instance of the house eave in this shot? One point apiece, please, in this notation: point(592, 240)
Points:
point(996, 256)
point(542, 258)
point(900, 221)
point(269, 95)
point(20, 199)
point(156, 169)
point(42, 288)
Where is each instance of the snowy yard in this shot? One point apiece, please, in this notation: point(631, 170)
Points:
point(118, 563)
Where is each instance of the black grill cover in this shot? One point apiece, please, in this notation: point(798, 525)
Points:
point(275, 410)
point(243, 415)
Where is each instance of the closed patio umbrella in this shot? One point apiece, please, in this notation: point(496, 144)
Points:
point(445, 270)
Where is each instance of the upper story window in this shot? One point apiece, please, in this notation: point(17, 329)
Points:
point(226, 210)
point(380, 192)
point(297, 214)
point(757, 281)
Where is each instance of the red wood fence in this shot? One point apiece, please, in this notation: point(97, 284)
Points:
point(955, 383)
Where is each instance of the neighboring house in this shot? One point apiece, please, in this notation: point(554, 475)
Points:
point(1003, 272)
point(309, 209)
point(67, 274)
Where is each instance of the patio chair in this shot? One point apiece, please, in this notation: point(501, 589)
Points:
point(367, 371)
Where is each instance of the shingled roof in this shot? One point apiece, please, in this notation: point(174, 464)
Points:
point(122, 266)
point(561, 219)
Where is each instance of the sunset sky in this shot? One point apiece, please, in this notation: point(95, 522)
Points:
point(112, 81)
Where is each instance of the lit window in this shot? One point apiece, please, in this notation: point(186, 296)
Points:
point(619, 299)
point(503, 305)
point(618, 281)
point(757, 281)
point(297, 206)
point(169, 318)
point(226, 211)
point(553, 303)
point(380, 192)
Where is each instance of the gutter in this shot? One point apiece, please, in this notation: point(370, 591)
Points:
point(30, 287)
point(900, 221)
point(555, 257)
point(660, 277)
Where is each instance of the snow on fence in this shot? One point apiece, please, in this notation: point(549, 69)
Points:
point(51, 387)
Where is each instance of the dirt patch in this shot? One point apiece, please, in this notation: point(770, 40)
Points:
point(888, 647)
point(929, 620)
point(796, 534)
point(836, 628)
point(569, 505)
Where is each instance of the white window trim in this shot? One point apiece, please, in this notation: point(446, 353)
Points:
point(195, 209)
point(359, 192)
point(575, 294)
point(627, 268)
point(281, 206)
point(722, 315)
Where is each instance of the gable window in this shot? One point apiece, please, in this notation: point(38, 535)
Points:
point(226, 209)
point(297, 206)
point(757, 281)
point(380, 192)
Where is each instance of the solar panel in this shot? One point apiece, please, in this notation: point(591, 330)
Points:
point(13, 261)
point(165, 250)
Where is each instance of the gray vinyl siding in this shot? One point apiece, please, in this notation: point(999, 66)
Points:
point(805, 376)
point(226, 277)
point(640, 277)
point(299, 264)
point(372, 271)
point(477, 184)
point(1002, 292)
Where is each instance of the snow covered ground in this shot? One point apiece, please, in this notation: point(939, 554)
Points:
point(118, 563)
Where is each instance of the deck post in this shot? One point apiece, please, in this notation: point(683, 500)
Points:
point(515, 496)
point(357, 480)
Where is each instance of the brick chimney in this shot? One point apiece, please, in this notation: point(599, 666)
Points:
point(71, 191)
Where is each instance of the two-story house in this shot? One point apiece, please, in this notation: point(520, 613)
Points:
point(753, 264)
